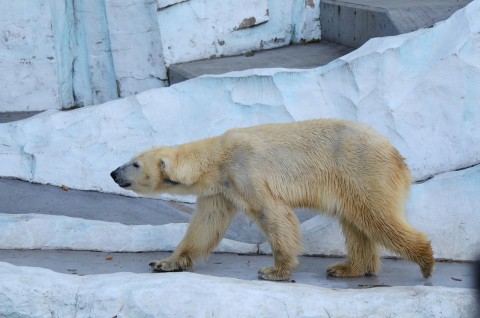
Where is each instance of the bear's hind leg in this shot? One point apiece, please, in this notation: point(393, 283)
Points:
point(282, 230)
point(363, 257)
point(207, 227)
point(397, 235)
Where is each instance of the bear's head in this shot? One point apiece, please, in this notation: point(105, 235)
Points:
point(157, 170)
point(146, 173)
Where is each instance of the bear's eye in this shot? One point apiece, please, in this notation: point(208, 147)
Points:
point(136, 165)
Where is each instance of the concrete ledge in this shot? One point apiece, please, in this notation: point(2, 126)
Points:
point(7, 117)
point(294, 56)
point(311, 271)
point(354, 22)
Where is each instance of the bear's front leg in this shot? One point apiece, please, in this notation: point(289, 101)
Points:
point(207, 227)
point(282, 230)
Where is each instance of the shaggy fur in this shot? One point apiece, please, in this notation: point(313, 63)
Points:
point(341, 168)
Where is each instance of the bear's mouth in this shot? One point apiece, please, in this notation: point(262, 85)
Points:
point(125, 185)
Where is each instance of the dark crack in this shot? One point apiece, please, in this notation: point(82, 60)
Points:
point(170, 5)
point(442, 172)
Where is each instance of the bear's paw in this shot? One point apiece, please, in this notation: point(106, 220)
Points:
point(169, 265)
point(274, 273)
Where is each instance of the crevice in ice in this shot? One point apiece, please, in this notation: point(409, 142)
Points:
point(31, 160)
point(74, 94)
point(393, 128)
point(161, 8)
point(75, 306)
point(323, 94)
point(108, 44)
point(353, 75)
point(143, 78)
point(429, 177)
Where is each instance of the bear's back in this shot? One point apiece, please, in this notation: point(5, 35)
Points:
point(323, 161)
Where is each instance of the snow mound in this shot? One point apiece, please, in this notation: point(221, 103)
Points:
point(193, 295)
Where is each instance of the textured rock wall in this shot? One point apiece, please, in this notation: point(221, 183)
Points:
point(61, 54)
point(28, 64)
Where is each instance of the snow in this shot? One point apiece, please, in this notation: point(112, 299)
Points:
point(193, 295)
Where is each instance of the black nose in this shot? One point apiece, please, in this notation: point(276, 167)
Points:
point(114, 175)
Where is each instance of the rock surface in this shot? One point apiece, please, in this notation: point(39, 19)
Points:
point(38, 231)
point(63, 54)
point(192, 295)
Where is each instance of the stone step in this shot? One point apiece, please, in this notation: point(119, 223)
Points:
point(7, 117)
point(354, 22)
point(311, 271)
point(20, 197)
point(294, 56)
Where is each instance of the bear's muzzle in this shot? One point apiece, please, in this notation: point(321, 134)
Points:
point(117, 176)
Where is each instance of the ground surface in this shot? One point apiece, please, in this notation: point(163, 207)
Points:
point(312, 270)
point(300, 56)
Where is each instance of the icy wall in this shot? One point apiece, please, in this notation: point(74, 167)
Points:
point(28, 65)
point(63, 53)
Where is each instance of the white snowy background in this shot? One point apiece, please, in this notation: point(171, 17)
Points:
point(421, 90)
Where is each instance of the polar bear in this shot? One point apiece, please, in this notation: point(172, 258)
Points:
point(341, 168)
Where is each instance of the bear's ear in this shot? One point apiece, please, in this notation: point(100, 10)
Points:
point(179, 172)
point(165, 165)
